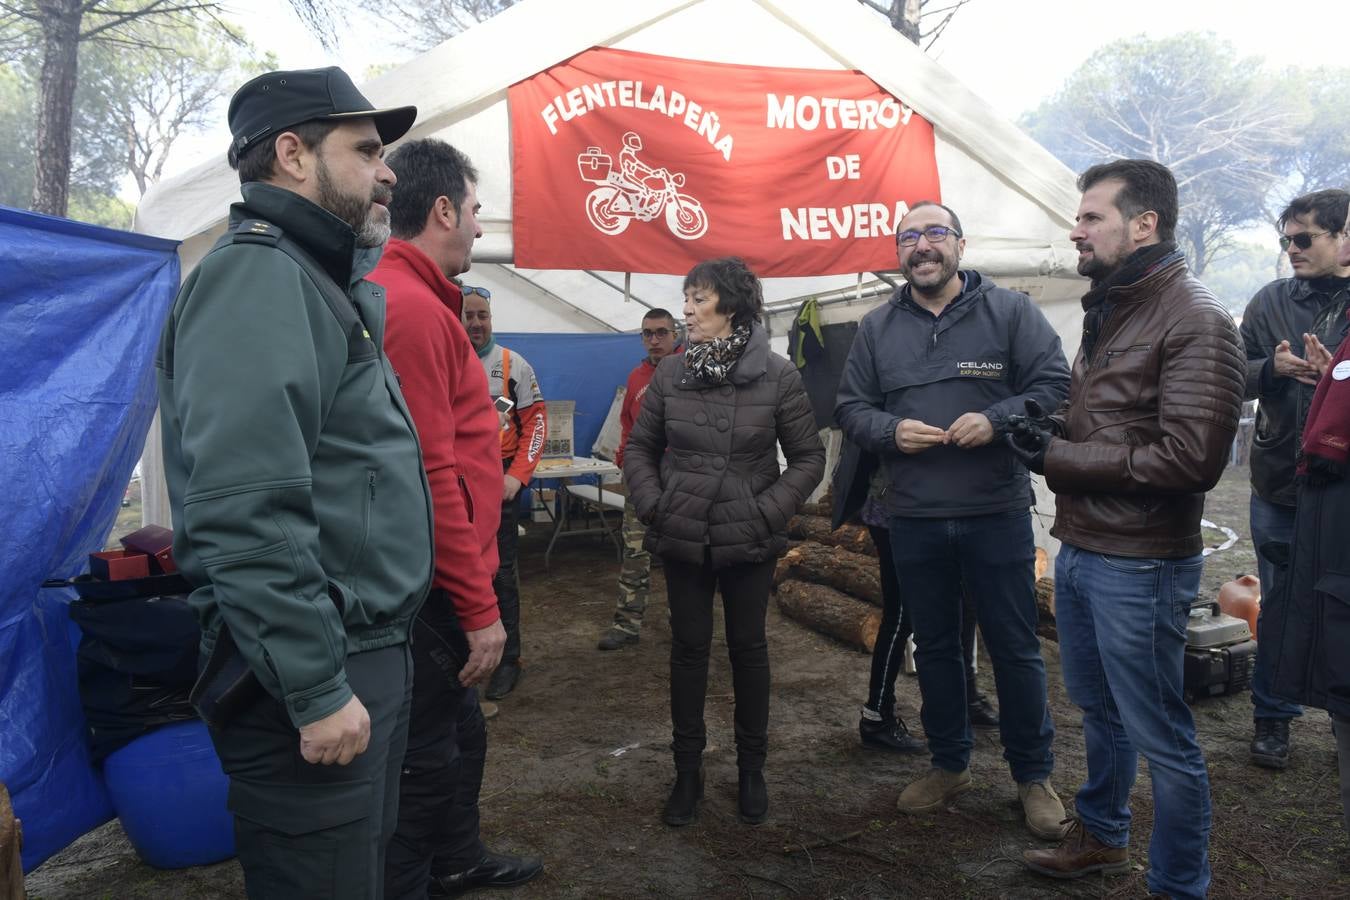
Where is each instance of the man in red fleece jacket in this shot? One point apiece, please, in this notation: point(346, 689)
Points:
point(458, 636)
point(660, 337)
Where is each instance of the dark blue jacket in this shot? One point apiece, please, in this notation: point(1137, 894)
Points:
point(988, 351)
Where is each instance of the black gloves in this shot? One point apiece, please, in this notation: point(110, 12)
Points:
point(1029, 436)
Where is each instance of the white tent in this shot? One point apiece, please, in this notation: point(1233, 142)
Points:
point(1015, 200)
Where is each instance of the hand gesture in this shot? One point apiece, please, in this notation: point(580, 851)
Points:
point(971, 430)
point(510, 488)
point(1290, 366)
point(1316, 355)
point(913, 436)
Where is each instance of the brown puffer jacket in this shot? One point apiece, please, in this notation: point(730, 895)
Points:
point(1149, 420)
point(701, 465)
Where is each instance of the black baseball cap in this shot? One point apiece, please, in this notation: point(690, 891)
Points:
point(275, 101)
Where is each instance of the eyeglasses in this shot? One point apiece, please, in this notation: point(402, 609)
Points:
point(482, 292)
point(1303, 240)
point(659, 334)
point(936, 234)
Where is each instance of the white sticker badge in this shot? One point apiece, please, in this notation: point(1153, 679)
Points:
point(1342, 370)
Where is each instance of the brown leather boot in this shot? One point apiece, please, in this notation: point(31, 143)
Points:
point(1079, 854)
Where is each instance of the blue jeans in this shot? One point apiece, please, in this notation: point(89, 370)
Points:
point(1122, 633)
point(1269, 522)
point(994, 558)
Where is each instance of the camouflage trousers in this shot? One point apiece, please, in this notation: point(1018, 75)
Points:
point(635, 576)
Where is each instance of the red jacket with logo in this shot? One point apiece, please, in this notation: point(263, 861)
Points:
point(638, 379)
point(446, 391)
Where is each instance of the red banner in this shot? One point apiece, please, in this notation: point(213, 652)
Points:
point(630, 162)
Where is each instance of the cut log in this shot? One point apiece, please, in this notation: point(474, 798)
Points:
point(822, 507)
point(1045, 609)
point(11, 840)
point(856, 574)
point(830, 612)
point(817, 528)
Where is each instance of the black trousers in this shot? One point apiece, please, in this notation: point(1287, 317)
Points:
point(443, 768)
point(888, 656)
point(504, 583)
point(312, 831)
point(745, 599)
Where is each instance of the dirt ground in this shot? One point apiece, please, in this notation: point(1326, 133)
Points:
point(579, 767)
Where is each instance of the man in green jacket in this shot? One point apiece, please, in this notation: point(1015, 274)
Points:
point(301, 511)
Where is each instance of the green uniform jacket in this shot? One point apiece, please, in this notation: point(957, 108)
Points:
point(301, 509)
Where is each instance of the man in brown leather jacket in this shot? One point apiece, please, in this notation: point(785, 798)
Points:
point(1154, 403)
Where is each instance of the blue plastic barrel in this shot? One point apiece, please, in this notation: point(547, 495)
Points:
point(169, 791)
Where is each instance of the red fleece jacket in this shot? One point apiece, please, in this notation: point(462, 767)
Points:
point(447, 394)
point(636, 389)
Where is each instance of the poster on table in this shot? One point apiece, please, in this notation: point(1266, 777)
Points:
point(627, 161)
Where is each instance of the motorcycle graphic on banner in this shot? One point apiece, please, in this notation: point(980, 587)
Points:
point(637, 191)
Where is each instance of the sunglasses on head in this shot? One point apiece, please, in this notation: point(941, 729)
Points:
point(1303, 240)
point(482, 292)
point(657, 333)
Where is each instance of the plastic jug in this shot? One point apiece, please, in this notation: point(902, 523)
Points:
point(1241, 597)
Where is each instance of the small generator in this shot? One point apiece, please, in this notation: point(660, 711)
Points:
point(1220, 652)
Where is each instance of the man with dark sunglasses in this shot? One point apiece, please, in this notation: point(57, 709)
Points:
point(930, 383)
point(1287, 325)
point(660, 338)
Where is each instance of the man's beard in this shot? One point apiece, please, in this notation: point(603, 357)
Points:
point(362, 215)
point(1099, 269)
point(930, 285)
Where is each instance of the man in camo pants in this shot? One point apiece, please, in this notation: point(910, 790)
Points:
point(660, 338)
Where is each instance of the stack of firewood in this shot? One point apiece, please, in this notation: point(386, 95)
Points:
point(830, 581)
point(11, 840)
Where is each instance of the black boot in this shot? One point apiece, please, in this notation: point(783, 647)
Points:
point(682, 807)
point(891, 736)
point(981, 712)
point(1270, 745)
point(754, 798)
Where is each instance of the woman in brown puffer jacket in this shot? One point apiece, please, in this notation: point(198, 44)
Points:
point(702, 471)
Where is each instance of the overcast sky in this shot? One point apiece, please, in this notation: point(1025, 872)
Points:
point(1014, 53)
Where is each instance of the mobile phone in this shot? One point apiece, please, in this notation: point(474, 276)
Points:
point(504, 404)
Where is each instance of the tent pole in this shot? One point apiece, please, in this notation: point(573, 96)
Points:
point(627, 286)
point(611, 285)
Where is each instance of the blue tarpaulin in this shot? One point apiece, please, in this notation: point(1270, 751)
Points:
point(80, 313)
point(585, 368)
point(80, 316)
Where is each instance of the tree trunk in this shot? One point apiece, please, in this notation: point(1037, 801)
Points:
point(905, 15)
point(817, 528)
point(855, 574)
point(56, 104)
point(828, 611)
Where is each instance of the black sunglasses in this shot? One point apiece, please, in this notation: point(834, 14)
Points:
point(482, 292)
point(1303, 240)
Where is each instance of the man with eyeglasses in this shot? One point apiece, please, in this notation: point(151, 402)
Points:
point(930, 383)
point(515, 389)
point(1289, 325)
point(660, 338)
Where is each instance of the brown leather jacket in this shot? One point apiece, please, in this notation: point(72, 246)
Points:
point(1149, 420)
